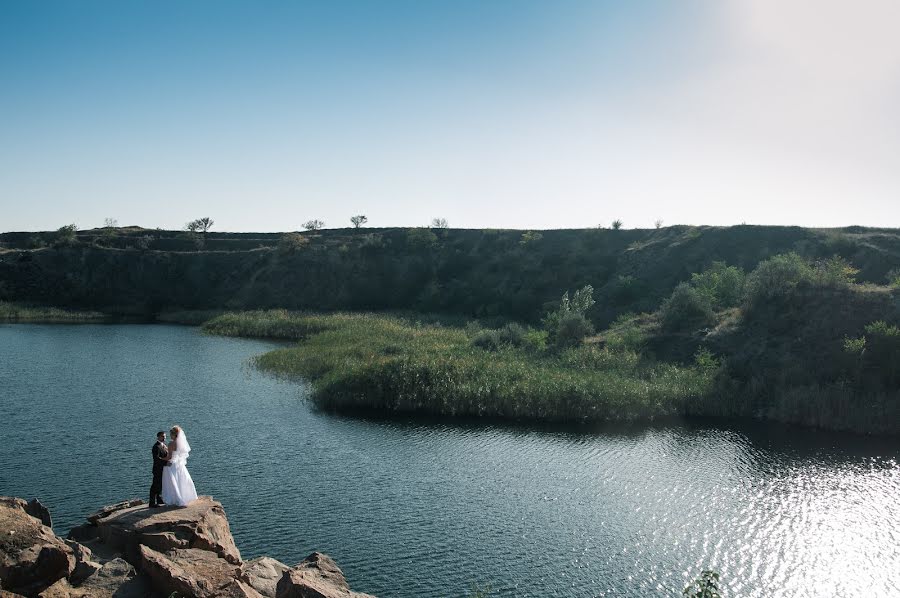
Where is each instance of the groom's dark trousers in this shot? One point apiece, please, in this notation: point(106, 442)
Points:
point(159, 461)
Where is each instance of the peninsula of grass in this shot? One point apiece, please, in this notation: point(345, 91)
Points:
point(14, 312)
point(388, 363)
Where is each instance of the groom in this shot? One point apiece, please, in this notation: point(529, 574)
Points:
point(160, 452)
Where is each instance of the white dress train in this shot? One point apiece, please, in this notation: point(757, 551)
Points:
point(177, 485)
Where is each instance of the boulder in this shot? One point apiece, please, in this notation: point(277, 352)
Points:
point(190, 572)
point(39, 511)
point(85, 566)
point(116, 579)
point(201, 525)
point(317, 576)
point(263, 574)
point(32, 558)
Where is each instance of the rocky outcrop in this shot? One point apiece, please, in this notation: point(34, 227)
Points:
point(318, 576)
point(201, 525)
point(127, 550)
point(32, 558)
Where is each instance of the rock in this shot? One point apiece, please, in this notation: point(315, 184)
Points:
point(116, 579)
point(39, 511)
point(201, 525)
point(238, 589)
point(190, 571)
point(318, 576)
point(32, 558)
point(110, 509)
point(85, 566)
point(262, 575)
point(84, 533)
point(130, 551)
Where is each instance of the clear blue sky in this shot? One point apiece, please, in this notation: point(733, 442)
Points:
point(490, 113)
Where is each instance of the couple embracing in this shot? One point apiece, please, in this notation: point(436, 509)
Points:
point(172, 484)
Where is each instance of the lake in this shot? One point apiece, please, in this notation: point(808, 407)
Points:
point(413, 508)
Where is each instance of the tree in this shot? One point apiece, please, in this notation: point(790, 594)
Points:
point(314, 225)
point(617, 224)
point(439, 223)
point(358, 221)
point(658, 223)
point(201, 225)
point(110, 223)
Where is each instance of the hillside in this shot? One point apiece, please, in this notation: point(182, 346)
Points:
point(480, 273)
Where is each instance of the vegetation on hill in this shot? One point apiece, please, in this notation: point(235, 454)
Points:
point(793, 341)
point(791, 324)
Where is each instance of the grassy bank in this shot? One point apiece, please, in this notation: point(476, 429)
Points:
point(395, 364)
point(14, 312)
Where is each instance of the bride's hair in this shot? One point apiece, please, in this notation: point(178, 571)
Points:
point(175, 431)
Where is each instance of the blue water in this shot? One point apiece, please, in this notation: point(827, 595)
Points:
point(411, 508)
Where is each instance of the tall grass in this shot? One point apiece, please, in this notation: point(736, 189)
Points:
point(366, 361)
point(15, 312)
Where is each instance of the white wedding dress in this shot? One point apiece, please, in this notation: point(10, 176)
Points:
point(177, 485)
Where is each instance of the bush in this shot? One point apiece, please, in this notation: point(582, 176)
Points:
point(420, 238)
point(511, 335)
point(686, 308)
point(721, 284)
point(291, 242)
point(836, 271)
point(883, 351)
point(572, 312)
point(487, 339)
point(778, 277)
point(893, 278)
point(572, 329)
point(65, 236)
point(529, 237)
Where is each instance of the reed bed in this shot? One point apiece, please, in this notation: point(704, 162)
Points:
point(366, 361)
point(15, 312)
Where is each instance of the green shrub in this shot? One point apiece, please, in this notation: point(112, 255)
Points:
point(854, 346)
point(569, 318)
point(883, 351)
point(722, 284)
point(572, 329)
point(487, 339)
point(686, 308)
point(511, 335)
point(529, 237)
point(893, 278)
point(705, 360)
point(778, 277)
point(836, 271)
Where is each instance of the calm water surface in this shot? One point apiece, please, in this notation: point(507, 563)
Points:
point(422, 509)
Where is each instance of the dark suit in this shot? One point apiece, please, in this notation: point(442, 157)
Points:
point(160, 452)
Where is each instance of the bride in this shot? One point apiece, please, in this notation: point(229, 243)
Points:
point(177, 485)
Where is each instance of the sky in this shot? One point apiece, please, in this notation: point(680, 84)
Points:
point(488, 113)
